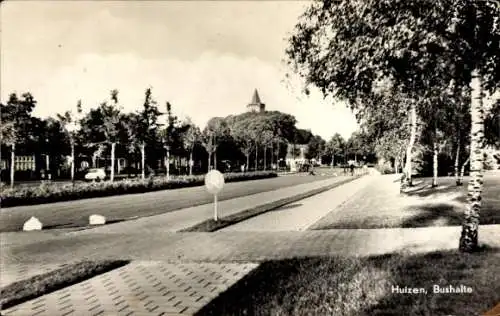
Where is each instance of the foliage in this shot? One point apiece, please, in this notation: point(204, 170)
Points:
point(191, 136)
point(316, 147)
point(492, 125)
point(17, 121)
point(384, 168)
point(383, 56)
point(392, 145)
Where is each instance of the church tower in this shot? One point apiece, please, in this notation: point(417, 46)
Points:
point(256, 105)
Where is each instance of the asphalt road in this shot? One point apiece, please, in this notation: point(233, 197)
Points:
point(116, 208)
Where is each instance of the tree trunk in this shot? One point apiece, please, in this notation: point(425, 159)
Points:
point(435, 165)
point(457, 161)
point(47, 164)
point(248, 161)
point(168, 165)
point(272, 155)
point(215, 159)
point(12, 164)
point(256, 157)
point(265, 153)
point(72, 162)
point(209, 161)
point(112, 177)
point(470, 226)
point(462, 171)
point(278, 156)
point(409, 149)
point(143, 161)
point(191, 162)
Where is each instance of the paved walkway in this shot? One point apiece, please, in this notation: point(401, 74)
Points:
point(302, 214)
point(141, 288)
point(242, 246)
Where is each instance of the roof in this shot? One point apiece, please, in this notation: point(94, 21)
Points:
point(255, 98)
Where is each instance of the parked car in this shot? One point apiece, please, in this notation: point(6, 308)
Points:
point(95, 174)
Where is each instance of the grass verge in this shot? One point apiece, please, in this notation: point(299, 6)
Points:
point(25, 290)
point(211, 225)
point(379, 207)
point(363, 286)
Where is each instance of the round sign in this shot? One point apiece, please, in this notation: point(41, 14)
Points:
point(214, 181)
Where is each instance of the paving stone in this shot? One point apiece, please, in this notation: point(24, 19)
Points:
point(141, 288)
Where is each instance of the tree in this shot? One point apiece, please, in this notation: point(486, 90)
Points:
point(53, 142)
point(345, 47)
point(242, 135)
point(111, 126)
point(334, 146)
point(266, 139)
point(169, 136)
point(214, 133)
point(147, 127)
point(7, 137)
point(71, 123)
point(131, 135)
point(315, 147)
point(191, 137)
point(492, 125)
point(392, 145)
point(16, 124)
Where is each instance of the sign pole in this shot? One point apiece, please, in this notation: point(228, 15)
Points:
point(215, 207)
point(214, 182)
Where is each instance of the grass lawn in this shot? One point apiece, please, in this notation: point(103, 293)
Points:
point(25, 290)
point(211, 225)
point(363, 286)
point(381, 206)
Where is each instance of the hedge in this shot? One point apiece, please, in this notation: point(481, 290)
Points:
point(57, 192)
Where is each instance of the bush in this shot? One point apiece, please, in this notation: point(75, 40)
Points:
point(385, 169)
point(49, 193)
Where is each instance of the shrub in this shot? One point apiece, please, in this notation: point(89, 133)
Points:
point(384, 169)
point(57, 192)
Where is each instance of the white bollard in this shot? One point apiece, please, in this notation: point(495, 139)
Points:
point(32, 224)
point(97, 219)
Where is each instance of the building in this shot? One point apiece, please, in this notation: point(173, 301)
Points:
point(256, 105)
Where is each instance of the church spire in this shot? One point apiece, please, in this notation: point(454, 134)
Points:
point(256, 105)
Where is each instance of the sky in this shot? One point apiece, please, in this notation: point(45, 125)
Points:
point(204, 57)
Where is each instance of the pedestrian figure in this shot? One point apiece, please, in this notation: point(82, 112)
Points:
point(351, 166)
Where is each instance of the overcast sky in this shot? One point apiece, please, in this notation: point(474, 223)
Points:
point(205, 57)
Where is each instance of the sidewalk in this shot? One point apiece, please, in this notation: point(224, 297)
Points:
point(188, 217)
point(304, 213)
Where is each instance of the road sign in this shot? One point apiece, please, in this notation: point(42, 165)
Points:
point(214, 182)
